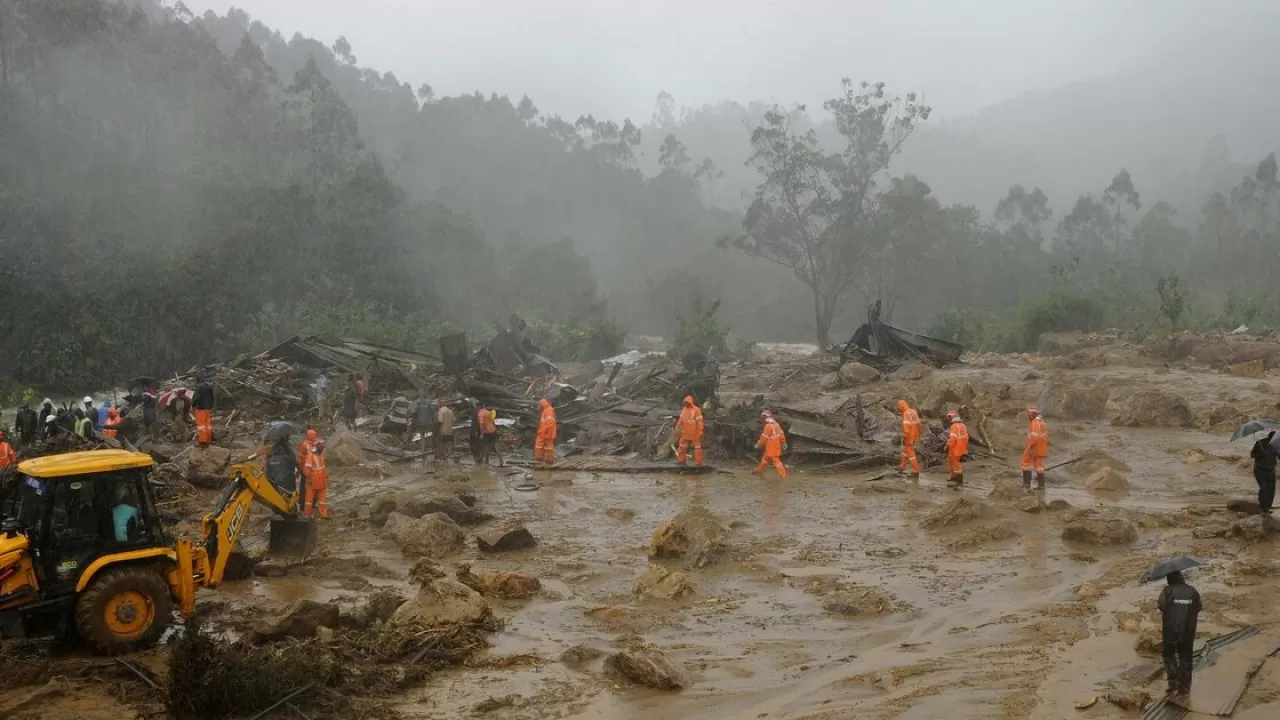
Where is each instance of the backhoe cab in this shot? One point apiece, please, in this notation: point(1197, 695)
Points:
point(82, 547)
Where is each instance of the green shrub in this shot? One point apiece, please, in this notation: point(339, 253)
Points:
point(575, 340)
point(700, 330)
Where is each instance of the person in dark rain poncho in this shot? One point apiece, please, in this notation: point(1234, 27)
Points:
point(1179, 605)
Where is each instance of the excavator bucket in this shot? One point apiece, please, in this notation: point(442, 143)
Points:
point(292, 537)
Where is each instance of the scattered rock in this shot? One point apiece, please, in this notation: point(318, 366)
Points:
point(580, 655)
point(1093, 460)
point(1033, 504)
point(853, 374)
point(1243, 505)
point(435, 536)
point(271, 568)
point(490, 704)
point(1107, 480)
point(379, 606)
point(1131, 699)
point(1195, 457)
point(621, 514)
point(381, 510)
point(662, 584)
point(1211, 530)
point(957, 512)
point(504, 585)
point(1155, 408)
point(1088, 591)
point(505, 539)
point(860, 601)
point(450, 505)
point(1087, 401)
point(975, 536)
point(830, 381)
point(299, 620)
point(649, 668)
point(1057, 505)
point(1099, 529)
point(1252, 528)
point(1150, 638)
point(343, 449)
point(694, 535)
point(207, 466)
point(441, 600)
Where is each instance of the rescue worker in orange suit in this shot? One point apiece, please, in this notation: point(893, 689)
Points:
point(304, 448)
point(202, 410)
point(544, 446)
point(1036, 451)
point(957, 449)
point(113, 419)
point(910, 436)
point(7, 455)
point(317, 481)
point(773, 441)
point(690, 428)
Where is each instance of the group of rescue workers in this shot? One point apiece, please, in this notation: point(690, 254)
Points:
point(1033, 454)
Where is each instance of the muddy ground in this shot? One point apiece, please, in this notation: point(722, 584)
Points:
point(833, 596)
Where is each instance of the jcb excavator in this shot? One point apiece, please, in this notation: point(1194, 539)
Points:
point(82, 547)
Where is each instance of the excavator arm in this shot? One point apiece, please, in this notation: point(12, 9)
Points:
point(203, 564)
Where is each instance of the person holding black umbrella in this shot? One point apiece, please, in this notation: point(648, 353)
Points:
point(1264, 471)
point(1180, 606)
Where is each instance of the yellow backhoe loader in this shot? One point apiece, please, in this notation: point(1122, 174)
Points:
point(82, 547)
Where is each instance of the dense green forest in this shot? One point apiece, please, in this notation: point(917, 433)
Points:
point(177, 189)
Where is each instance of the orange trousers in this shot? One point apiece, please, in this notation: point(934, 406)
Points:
point(1033, 462)
point(204, 426)
point(909, 458)
point(955, 465)
point(777, 464)
point(316, 496)
point(683, 452)
point(544, 450)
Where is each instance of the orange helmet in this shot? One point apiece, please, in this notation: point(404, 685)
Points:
point(112, 412)
point(312, 434)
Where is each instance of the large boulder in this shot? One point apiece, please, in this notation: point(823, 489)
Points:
point(1253, 528)
point(505, 539)
point(1107, 480)
point(504, 585)
point(663, 584)
point(855, 374)
point(442, 601)
point(649, 668)
point(451, 505)
point(1243, 505)
point(695, 536)
point(381, 509)
point(1094, 528)
point(434, 536)
point(207, 466)
point(299, 620)
point(1155, 408)
point(1068, 401)
point(343, 449)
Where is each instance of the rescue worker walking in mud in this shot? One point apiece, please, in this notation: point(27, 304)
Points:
point(544, 445)
point(690, 427)
point(1037, 449)
point(910, 436)
point(317, 475)
point(773, 441)
point(957, 449)
point(1180, 606)
point(1264, 471)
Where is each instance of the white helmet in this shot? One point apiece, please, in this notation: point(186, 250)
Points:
point(88, 400)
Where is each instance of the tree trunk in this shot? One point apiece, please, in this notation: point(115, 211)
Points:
point(823, 311)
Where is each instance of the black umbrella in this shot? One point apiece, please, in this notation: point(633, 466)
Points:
point(1255, 426)
point(281, 429)
point(1173, 565)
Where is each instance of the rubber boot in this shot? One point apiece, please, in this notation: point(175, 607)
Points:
point(915, 477)
point(1026, 479)
point(1040, 481)
point(960, 480)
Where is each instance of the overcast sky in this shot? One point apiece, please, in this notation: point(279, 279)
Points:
point(612, 57)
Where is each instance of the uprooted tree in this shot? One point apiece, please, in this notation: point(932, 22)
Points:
point(813, 211)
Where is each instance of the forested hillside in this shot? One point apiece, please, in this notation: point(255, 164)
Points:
point(177, 189)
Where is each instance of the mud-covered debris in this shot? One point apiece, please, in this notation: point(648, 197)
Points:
point(343, 449)
point(878, 488)
point(379, 606)
point(1243, 505)
point(505, 539)
point(957, 512)
point(503, 585)
point(972, 536)
point(1057, 505)
point(299, 620)
point(442, 601)
point(1096, 528)
point(696, 536)
point(1150, 640)
point(1155, 408)
point(451, 505)
point(467, 498)
point(854, 374)
point(1107, 480)
point(1252, 528)
point(1069, 400)
point(207, 466)
point(663, 584)
point(1215, 529)
point(1131, 699)
point(860, 601)
point(1093, 460)
point(434, 536)
point(1088, 591)
point(491, 704)
point(381, 510)
point(580, 655)
point(1032, 504)
point(1008, 489)
point(621, 514)
point(649, 668)
point(271, 568)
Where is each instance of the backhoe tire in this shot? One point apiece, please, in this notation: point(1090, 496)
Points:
point(124, 610)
